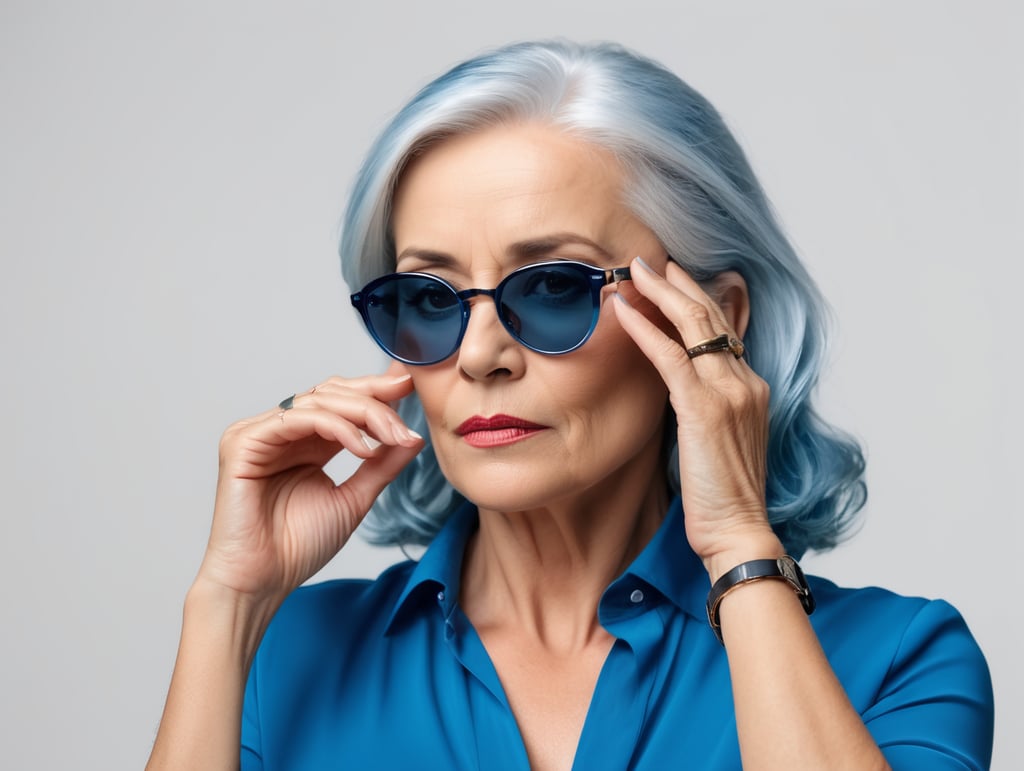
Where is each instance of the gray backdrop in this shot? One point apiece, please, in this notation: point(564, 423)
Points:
point(171, 178)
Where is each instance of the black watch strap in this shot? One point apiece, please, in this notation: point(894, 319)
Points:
point(785, 568)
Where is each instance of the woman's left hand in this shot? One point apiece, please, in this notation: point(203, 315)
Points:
point(721, 406)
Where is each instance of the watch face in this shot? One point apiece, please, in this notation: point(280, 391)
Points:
point(793, 572)
point(789, 569)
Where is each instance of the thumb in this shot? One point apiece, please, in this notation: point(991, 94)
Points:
point(362, 488)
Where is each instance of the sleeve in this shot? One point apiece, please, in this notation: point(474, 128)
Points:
point(251, 751)
point(935, 707)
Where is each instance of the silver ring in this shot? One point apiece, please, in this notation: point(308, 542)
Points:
point(287, 404)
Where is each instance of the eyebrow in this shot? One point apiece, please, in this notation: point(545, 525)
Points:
point(528, 250)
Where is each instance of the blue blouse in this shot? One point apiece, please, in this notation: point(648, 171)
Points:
point(390, 674)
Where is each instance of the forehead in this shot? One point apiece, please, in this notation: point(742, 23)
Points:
point(477, 194)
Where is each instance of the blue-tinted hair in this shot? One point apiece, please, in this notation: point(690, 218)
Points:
point(688, 180)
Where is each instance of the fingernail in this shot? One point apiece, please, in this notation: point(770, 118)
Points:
point(369, 441)
point(400, 378)
point(622, 299)
point(402, 431)
point(644, 265)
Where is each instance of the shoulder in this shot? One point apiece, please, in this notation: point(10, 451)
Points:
point(327, 646)
point(893, 628)
point(891, 621)
point(334, 611)
point(353, 592)
point(893, 652)
point(332, 631)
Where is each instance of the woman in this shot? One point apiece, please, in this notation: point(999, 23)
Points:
point(562, 248)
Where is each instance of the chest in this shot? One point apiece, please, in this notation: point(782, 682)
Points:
point(436, 697)
point(549, 695)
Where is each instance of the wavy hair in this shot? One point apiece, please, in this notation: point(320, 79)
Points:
point(688, 180)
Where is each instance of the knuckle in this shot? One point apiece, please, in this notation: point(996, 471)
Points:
point(760, 390)
point(750, 398)
point(227, 442)
point(233, 430)
point(698, 312)
point(334, 382)
point(735, 394)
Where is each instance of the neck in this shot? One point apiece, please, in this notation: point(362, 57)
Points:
point(542, 572)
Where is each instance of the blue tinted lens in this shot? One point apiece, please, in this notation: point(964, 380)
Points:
point(414, 318)
point(553, 307)
point(550, 307)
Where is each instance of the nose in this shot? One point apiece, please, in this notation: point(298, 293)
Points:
point(487, 349)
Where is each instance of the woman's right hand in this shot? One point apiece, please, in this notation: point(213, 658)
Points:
point(279, 517)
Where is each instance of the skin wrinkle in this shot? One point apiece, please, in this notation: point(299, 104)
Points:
point(518, 254)
point(546, 509)
point(568, 567)
point(565, 508)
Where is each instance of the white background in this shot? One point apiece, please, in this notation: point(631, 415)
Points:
point(171, 179)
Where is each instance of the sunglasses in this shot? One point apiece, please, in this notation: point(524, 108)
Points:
point(549, 307)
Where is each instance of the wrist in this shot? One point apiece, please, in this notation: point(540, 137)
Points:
point(784, 569)
point(226, 617)
point(761, 545)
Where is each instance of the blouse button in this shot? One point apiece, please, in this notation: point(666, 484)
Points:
point(636, 596)
point(440, 596)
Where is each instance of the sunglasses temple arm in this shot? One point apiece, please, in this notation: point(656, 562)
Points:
point(616, 275)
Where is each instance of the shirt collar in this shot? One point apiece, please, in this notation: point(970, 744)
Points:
point(666, 564)
point(439, 571)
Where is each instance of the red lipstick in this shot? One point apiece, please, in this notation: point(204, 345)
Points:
point(496, 430)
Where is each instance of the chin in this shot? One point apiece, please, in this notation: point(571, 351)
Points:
point(508, 489)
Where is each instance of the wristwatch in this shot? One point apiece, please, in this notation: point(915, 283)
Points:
point(785, 568)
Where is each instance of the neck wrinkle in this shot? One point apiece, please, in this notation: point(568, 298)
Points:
point(542, 573)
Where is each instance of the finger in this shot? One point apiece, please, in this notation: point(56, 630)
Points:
point(738, 312)
point(265, 447)
point(368, 404)
point(385, 388)
point(679, 278)
point(667, 355)
point(314, 451)
point(376, 418)
point(381, 387)
point(691, 317)
point(361, 489)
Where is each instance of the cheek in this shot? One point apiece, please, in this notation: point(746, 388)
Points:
point(429, 385)
point(614, 388)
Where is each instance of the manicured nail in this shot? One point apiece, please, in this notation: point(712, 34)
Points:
point(402, 431)
point(644, 265)
point(400, 378)
point(369, 441)
point(622, 299)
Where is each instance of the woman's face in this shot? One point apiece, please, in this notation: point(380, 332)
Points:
point(471, 210)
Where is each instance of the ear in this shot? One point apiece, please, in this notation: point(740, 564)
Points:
point(729, 290)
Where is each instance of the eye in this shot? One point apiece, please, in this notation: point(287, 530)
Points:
point(430, 300)
point(554, 285)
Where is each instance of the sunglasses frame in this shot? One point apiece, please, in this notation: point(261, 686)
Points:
point(598, 279)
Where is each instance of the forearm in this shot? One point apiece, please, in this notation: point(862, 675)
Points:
point(201, 723)
point(791, 710)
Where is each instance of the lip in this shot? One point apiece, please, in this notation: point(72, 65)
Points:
point(496, 430)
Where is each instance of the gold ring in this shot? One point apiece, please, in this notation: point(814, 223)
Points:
point(717, 344)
